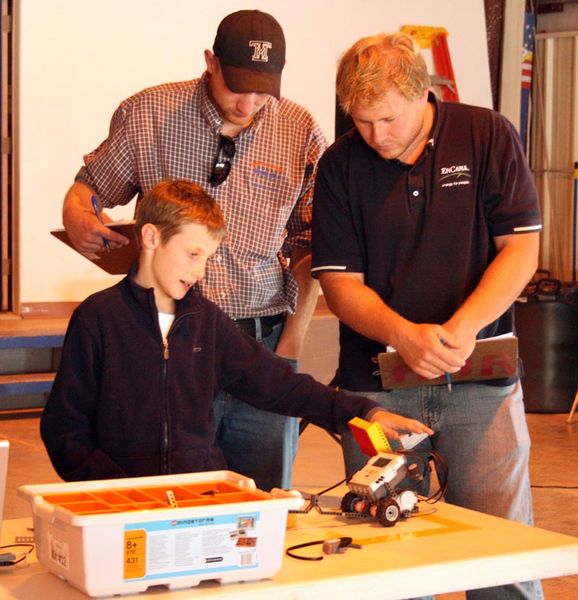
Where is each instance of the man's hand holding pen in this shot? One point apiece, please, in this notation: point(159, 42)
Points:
point(97, 211)
point(85, 224)
point(97, 237)
point(419, 346)
point(447, 374)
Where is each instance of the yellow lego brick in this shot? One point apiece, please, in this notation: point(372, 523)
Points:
point(369, 436)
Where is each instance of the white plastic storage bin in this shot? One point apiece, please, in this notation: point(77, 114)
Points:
point(121, 536)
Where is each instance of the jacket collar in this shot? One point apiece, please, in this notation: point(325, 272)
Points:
point(191, 303)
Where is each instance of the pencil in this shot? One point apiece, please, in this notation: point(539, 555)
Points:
point(96, 208)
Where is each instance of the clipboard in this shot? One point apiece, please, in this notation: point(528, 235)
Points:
point(492, 358)
point(119, 260)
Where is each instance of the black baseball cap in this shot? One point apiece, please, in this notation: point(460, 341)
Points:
point(250, 46)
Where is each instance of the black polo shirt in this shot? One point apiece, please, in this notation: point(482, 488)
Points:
point(421, 234)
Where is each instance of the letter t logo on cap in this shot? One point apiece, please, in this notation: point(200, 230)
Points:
point(260, 50)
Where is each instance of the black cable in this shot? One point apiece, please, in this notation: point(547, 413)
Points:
point(441, 469)
point(329, 547)
point(332, 487)
point(441, 465)
point(289, 551)
point(11, 563)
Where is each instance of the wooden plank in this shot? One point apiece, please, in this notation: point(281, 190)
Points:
point(32, 341)
point(26, 383)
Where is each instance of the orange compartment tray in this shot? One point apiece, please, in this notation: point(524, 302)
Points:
point(154, 497)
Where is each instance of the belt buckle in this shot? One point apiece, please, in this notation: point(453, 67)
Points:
point(267, 324)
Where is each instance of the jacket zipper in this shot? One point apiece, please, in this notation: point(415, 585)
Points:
point(165, 465)
point(165, 449)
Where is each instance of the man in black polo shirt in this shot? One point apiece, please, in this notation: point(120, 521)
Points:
point(425, 230)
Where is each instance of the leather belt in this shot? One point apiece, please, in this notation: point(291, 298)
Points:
point(250, 324)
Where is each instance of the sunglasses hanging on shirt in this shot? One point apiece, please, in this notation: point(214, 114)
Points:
point(222, 163)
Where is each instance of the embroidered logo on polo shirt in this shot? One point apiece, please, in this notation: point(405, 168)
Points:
point(260, 50)
point(455, 175)
point(266, 176)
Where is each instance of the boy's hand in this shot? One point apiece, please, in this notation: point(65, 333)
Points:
point(393, 424)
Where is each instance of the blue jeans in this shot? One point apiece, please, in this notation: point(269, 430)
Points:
point(481, 432)
point(256, 443)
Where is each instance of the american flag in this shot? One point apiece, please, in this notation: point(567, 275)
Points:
point(526, 81)
point(528, 50)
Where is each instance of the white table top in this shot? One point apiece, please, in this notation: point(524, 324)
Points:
point(449, 549)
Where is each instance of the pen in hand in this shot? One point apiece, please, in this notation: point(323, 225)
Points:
point(447, 375)
point(96, 208)
point(449, 382)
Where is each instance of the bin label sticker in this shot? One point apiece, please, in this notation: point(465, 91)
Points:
point(58, 551)
point(191, 546)
point(134, 554)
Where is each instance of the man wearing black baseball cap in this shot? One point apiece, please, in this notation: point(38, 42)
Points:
point(250, 46)
point(256, 153)
point(245, 67)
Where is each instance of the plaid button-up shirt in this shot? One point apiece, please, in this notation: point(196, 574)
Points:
point(172, 131)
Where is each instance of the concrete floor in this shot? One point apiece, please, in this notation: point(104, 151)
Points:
point(318, 465)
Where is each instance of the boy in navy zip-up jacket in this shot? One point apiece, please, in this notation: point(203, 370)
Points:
point(142, 361)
